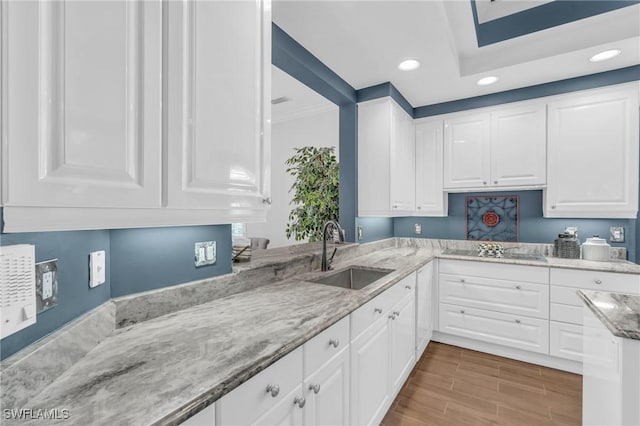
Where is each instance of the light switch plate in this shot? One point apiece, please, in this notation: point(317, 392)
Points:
point(97, 268)
point(205, 253)
point(616, 234)
point(46, 285)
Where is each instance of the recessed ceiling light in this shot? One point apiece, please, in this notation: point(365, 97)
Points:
point(603, 56)
point(409, 65)
point(487, 80)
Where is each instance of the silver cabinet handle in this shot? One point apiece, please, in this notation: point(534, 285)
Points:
point(495, 182)
point(335, 343)
point(598, 281)
point(266, 200)
point(484, 183)
point(396, 313)
point(462, 311)
point(408, 287)
point(273, 389)
point(315, 388)
point(518, 287)
point(300, 401)
point(395, 206)
point(553, 207)
point(391, 316)
point(419, 208)
point(462, 280)
point(377, 310)
point(517, 321)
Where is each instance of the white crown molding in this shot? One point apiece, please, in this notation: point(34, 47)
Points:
point(306, 111)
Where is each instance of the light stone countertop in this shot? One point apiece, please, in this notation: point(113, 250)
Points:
point(164, 369)
point(620, 313)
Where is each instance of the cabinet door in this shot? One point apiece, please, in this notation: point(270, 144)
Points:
point(424, 308)
point(403, 341)
point(402, 162)
point(370, 396)
point(466, 152)
point(218, 105)
point(374, 130)
point(206, 417)
point(285, 412)
point(519, 146)
point(83, 103)
point(593, 155)
point(327, 393)
point(565, 340)
point(431, 200)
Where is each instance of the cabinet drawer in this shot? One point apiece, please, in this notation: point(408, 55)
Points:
point(531, 274)
point(566, 313)
point(595, 280)
point(365, 315)
point(565, 340)
point(512, 297)
point(325, 346)
point(531, 334)
point(250, 400)
point(565, 295)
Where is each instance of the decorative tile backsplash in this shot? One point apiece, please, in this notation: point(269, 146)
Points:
point(492, 218)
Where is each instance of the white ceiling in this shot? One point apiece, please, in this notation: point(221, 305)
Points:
point(300, 100)
point(363, 42)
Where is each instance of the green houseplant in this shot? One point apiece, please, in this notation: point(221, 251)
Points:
point(315, 200)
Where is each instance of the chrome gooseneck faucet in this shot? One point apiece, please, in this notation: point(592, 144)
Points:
point(329, 231)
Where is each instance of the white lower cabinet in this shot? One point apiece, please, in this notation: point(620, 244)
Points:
point(424, 307)
point(503, 304)
point(530, 334)
point(206, 417)
point(566, 316)
point(383, 353)
point(287, 393)
point(370, 366)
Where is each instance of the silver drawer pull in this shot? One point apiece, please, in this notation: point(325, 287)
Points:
point(518, 287)
point(266, 200)
point(315, 388)
point(391, 316)
point(335, 343)
point(273, 389)
point(377, 310)
point(462, 280)
point(517, 321)
point(408, 287)
point(462, 311)
point(598, 281)
point(495, 182)
point(300, 401)
point(396, 313)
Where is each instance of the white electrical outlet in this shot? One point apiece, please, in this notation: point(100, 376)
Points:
point(97, 268)
point(417, 228)
point(205, 253)
point(360, 233)
point(47, 285)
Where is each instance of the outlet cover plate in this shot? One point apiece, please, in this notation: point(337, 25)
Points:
point(46, 285)
point(616, 234)
point(97, 268)
point(417, 228)
point(205, 253)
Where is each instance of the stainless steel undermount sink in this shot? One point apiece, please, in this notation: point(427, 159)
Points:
point(354, 278)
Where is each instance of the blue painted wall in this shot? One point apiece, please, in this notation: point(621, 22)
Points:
point(375, 228)
point(72, 250)
point(151, 258)
point(137, 260)
point(533, 227)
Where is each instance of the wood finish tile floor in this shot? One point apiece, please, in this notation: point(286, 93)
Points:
point(455, 386)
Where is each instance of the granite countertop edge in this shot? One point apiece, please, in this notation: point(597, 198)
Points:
point(587, 297)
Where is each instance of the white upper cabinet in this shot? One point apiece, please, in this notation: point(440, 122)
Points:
point(217, 136)
point(111, 123)
point(386, 175)
point(83, 104)
point(593, 154)
point(497, 149)
point(431, 200)
point(466, 152)
point(518, 146)
point(402, 156)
